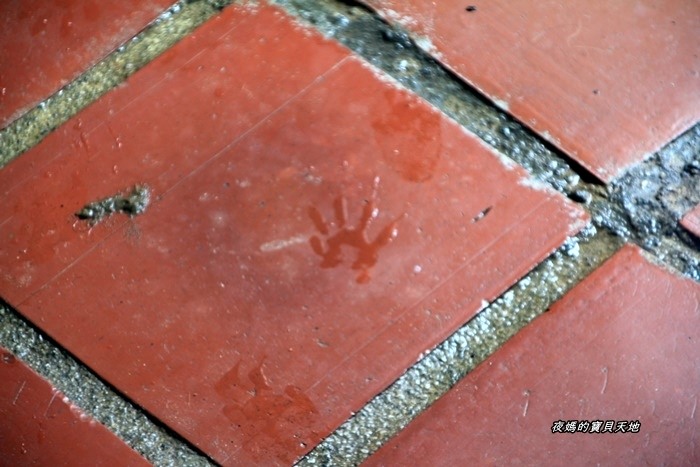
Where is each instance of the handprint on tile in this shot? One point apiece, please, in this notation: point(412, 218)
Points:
point(329, 245)
point(269, 419)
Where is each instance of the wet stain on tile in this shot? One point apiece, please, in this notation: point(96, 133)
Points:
point(224, 271)
point(575, 72)
point(271, 420)
point(329, 245)
point(415, 152)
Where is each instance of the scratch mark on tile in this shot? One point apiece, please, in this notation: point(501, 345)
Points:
point(526, 393)
point(275, 245)
point(53, 397)
point(21, 388)
point(695, 406)
point(604, 370)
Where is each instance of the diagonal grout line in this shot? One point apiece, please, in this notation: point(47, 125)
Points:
point(123, 108)
point(467, 263)
point(392, 50)
point(441, 368)
point(120, 228)
point(146, 435)
point(164, 32)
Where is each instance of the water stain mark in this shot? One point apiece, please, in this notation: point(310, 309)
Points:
point(269, 419)
point(414, 147)
point(330, 248)
point(132, 203)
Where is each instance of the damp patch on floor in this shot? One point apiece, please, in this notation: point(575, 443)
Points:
point(442, 367)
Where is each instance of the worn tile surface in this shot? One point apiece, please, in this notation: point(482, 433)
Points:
point(691, 221)
point(45, 45)
point(312, 229)
point(40, 426)
point(607, 82)
point(621, 346)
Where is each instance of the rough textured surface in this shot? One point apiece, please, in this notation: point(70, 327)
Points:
point(334, 219)
point(441, 368)
point(392, 50)
point(91, 395)
point(620, 347)
point(40, 425)
point(576, 72)
point(647, 204)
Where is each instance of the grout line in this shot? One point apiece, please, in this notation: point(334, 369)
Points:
point(646, 204)
point(393, 51)
point(165, 31)
point(441, 368)
point(147, 436)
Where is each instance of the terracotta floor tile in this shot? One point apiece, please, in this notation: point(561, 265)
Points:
point(312, 230)
point(621, 346)
point(45, 45)
point(691, 221)
point(40, 426)
point(607, 82)
point(164, 122)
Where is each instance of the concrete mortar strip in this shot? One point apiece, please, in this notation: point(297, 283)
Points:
point(88, 392)
point(649, 219)
point(646, 220)
point(441, 368)
point(165, 31)
point(391, 50)
point(158, 444)
point(433, 375)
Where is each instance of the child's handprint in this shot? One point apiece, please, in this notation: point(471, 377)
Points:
point(355, 237)
point(266, 416)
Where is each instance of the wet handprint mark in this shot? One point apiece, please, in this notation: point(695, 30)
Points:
point(271, 421)
point(330, 247)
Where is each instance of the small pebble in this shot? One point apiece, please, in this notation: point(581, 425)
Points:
point(581, 196)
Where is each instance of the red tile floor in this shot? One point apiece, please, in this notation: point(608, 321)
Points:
point(595, 380)
point(45, 45)
point(607, 82)
point(39, 423)
point(310, 229)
